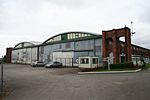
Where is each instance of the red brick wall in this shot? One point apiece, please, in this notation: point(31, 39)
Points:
point(8, 55)
point(115, 34)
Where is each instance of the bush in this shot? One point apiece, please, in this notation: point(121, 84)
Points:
point(122, 65)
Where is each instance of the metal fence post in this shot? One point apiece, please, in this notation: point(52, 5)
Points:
point(72, 62)
point(65, 62)
point(2, 75)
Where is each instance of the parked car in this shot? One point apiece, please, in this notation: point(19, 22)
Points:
point(53, 64)
point(38, 64)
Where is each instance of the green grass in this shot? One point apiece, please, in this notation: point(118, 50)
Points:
point(125, 69)
point(147, 65)
point(119, 69)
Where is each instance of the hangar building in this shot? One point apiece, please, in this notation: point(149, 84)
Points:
point(68, 47)
point(64, 47)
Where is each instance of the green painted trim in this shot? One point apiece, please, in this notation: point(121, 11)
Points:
point(65, 33)
point(26, 47)
point(22, 44)
point(64, 41)
point(73, 40)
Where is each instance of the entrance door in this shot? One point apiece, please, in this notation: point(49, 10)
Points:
point(122, 58)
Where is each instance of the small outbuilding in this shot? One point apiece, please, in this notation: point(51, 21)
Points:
point(88, 62)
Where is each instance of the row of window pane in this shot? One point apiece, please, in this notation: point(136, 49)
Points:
point(86, 61)
point(57, 38)
point(70, 36)
point(77, 35)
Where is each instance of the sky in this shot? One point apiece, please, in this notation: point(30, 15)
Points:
point(38, 20)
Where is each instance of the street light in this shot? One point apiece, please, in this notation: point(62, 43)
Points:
point(132, 29)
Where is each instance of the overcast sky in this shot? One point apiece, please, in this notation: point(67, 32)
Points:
point(38, 20)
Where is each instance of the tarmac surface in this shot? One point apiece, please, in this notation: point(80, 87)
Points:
point(28, 83)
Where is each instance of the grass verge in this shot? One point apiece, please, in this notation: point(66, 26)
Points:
point(125, 69)
point(147, 65)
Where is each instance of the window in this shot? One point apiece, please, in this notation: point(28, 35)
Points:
point(76, 35)
point(42, 50)
point(57, 38)
point(70, 36)
point(80, 35)
point(73, 36)
point(64, 37)
point(85, 35)
point(88, 35)
point(84, 61)
point(98, 48)
point(68, 45)
point(95, 60)
point(59, 46)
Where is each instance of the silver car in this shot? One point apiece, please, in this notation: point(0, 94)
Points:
point(38, 64)
point(53, 64)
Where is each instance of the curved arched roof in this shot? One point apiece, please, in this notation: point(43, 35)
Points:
point(26, 44)
point(68, 36)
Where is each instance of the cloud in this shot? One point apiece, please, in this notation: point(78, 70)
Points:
point(145, 16)
point(68, 3)
point(37, 20)
point(142, 9)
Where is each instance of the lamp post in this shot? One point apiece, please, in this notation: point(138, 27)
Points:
point(132, 32)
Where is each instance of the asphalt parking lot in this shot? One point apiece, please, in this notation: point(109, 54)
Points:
point(28, 83)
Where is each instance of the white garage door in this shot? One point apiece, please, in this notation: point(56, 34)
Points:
point(64, 57)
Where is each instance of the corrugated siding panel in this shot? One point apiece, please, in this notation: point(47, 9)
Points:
point(84, 45)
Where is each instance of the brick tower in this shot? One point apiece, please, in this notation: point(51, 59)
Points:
point(113, 37)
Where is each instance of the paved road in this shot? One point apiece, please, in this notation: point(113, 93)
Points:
point(27, 83)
